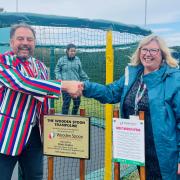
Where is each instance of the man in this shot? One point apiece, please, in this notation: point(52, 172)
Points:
point(23, 101)
point(69, 68)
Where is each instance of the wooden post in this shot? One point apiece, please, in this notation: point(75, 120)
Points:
point(116, 164)
point(50, 158)
point(50, 167)
point(82, 161)
point(142, 168)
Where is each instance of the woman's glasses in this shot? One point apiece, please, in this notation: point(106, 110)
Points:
point(152, 51)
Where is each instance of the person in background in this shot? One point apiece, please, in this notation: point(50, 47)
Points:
point(23, 102)
point(69, 68)
point(151, 83)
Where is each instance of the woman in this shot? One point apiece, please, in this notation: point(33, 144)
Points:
point(152, 84)
point(69, 68)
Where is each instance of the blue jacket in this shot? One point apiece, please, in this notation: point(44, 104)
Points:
point(164, 101)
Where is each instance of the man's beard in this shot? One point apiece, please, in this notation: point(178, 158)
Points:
point(26, 48)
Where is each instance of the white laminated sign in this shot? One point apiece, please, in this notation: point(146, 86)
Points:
point(128, 141)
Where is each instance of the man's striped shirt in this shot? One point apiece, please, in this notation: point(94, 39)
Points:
point(23, 98)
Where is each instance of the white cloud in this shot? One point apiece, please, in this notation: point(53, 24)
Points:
point(168, 17)
point(162, 30)
point(125, 11)
point(172, 39)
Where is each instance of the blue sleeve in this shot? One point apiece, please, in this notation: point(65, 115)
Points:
point(104, 93)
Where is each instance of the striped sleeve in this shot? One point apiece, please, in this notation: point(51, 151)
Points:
point(14, 79)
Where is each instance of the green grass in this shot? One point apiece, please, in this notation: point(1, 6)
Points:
point(91, 106)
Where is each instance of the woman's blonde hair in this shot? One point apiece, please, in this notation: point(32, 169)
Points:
point(166, 54)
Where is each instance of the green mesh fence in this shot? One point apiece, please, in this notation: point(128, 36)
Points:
point(53, 34)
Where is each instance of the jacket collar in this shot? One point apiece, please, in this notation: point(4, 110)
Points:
point(156, 77)
point(131, 73)
point(151, 79)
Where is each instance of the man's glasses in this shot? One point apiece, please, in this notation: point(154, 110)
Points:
point(152, 52)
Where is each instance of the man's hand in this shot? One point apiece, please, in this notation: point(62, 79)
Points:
point(74, 88)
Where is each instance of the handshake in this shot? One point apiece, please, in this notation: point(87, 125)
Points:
point(74, 88)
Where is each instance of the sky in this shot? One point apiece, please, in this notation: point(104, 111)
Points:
point(162, 16)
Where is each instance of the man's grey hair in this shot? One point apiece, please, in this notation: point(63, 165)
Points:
point(24, 25)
